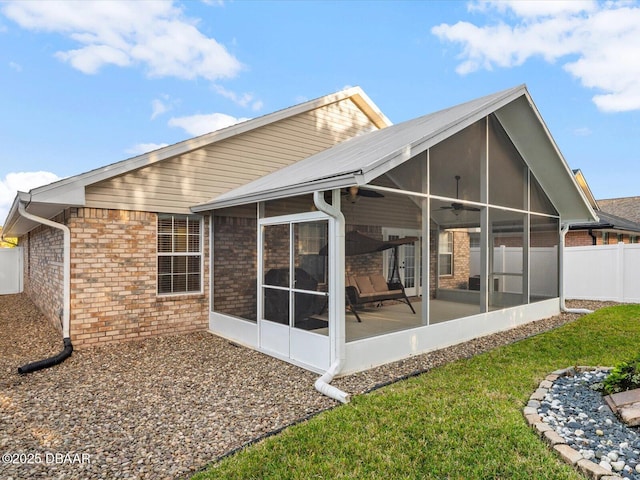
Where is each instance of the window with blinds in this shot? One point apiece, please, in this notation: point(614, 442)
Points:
point(179, 254)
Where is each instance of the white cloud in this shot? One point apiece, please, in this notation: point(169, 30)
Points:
point(141, 148)
point(158, 107)
point(534, 8)
point(243, 100)
point(599, 44)
point(20, 181)
point(204, 123)
point(582, 132)
point(15, 66)
point(155, 34)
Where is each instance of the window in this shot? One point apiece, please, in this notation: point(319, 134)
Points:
point(311, 238)
point(179, 254)
point(445, 253)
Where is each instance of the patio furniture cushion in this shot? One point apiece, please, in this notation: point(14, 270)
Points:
point(379, 283)
point(364, 285)
point(370, 289)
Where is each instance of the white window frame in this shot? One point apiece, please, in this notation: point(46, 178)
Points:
point(442, 252)
point(200, 253)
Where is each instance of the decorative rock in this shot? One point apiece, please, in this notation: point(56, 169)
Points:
point(618, 466)
point(592, 470)
point(605, 465)
point(585, 433)
point(568, 454)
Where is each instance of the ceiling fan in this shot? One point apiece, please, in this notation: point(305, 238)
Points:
point(457, 207)
point(354, 192)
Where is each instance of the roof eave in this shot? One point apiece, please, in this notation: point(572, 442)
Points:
point(73, 187)
point(342, 181)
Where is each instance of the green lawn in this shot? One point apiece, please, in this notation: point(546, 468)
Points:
point(463, 420)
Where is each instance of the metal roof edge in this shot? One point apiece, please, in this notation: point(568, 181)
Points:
point(325, 184)
point(149, 158)
point(499, 99)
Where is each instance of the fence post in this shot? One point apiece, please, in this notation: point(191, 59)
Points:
point(620, 272)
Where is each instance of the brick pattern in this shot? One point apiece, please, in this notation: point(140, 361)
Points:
point(368, 264)
point(43, 270)
point(113, 280)
point(235, 266)
point(581, 238)
point(461, 259)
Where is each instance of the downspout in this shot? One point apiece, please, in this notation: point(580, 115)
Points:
point(336, 296)
point(594, 240)
point(563, 307)
point(66, 295)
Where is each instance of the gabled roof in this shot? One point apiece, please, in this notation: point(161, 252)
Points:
point(625, 207)
point(582, 183)
point(613, 214)
point(609, 222)
point(49, 200)
point(359, 160)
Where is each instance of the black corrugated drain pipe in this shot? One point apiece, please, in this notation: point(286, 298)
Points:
point(48, 362)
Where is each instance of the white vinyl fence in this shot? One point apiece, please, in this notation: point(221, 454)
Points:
point(10, 270)
point(508, 260)
point(603, 272)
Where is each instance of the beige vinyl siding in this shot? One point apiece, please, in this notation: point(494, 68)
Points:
point(391, 211)
point(175, 184)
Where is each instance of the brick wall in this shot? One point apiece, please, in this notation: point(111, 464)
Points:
point(461, 258)
point(235, 263)
point(581, 239)
point(113, 280)
point(43, 270)
point(367, 264)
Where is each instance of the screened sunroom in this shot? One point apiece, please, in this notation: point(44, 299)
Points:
point(415, 237)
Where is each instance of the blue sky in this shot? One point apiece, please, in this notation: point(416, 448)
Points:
point(86, 84)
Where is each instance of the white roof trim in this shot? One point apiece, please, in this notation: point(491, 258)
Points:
point(70, 191)
point(361, 159)
point(367, 156)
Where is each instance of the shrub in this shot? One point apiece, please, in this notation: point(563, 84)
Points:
point(624, 376)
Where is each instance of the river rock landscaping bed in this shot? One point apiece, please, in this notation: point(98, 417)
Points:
point(573, 417)
point(163, 408)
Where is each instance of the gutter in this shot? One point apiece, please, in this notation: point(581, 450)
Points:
point(563, 307)
point(68, 347)
point(336, 296)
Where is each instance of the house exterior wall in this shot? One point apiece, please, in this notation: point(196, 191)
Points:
point(174, 185)
point(235, 266)
point(461, 257)
point(43, 270)
point(581, 238)
point(113, 280)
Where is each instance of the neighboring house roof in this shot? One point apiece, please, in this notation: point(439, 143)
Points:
point(361, 159)
point(615, 214)
point(582, 182)
point(49, 200)
point(626, 207)
point(609, 222)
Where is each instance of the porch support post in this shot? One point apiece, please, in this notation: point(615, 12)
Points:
point(336, 294)
point(425, 254)
point(486, 240)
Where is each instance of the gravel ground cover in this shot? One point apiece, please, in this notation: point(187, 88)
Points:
point(580, 415)
point(163, 408)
